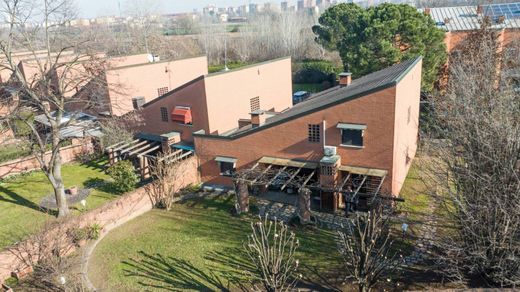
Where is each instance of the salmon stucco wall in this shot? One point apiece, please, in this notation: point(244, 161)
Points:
point(289, 139)
point(406, 126)
point(192, 95)
point(229, 94)
point(145, 80)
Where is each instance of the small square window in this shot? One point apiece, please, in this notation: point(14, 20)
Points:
point(162, 91)
point(314, 133)
point(164, 114)
point(226, 168)
point(352, 137)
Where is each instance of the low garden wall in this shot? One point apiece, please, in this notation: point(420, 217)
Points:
point(108, 216)
point(68, 154)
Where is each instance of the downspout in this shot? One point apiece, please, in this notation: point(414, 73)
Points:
point(323, 125)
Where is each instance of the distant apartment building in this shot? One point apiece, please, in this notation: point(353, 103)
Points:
point(253, 8)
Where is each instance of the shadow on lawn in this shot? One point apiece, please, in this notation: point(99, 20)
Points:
point(157, 271)
point(7, 195)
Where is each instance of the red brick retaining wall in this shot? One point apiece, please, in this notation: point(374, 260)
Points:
point(68, 154)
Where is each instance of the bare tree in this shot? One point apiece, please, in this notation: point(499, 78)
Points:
point(271, 248)
point(367, 248)
point(60, 66)
point(169, 177)
point(144, 14)
point(46, 254)
point(477, 173)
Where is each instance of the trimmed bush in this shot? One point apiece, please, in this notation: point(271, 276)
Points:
point(315, 71)
point(124, 176)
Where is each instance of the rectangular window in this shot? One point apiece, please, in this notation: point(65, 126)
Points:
point(162, 91)
point(227, 168)
point(164, 114)
point(352, 137)
point(227, 165)
point(314, 133)
point(255, 103)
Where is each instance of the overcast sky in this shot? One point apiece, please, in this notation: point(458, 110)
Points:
point(94, 8)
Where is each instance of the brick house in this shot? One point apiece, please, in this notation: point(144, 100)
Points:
point(137, 84)
point(130, 81)
point(360, 137)
point(219, 102)
point(459, 21)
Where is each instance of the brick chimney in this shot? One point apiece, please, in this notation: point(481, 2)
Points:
point(447, 20)
point(258, 118)
point(345, 79)
point(427, 11)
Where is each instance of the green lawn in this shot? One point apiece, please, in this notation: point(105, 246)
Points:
point(14, 151)
point(20, 196)
point(195, 246)
point(415, 193)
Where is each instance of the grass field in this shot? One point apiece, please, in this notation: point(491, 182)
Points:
point(195, 246)
point(20, 197)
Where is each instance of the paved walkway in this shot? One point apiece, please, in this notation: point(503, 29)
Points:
point(424, 243)
point(285, 212)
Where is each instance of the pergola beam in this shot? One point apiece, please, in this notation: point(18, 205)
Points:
point(144, 148)
point(149, 150)
point(134, 146)
point(344, 182)
point(125, 145)
point(379, 186)
point(276, 176)
point(263, 172)
point(308, 179)
point(291, 178)
point(360, 185)
point(173, 154)
point(115, 145)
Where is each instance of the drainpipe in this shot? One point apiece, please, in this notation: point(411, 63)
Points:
point(324, 124)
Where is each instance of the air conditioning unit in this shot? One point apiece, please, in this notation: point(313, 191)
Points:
point(330, 150)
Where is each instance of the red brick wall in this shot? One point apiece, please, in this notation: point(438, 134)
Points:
point(192, 95)
point(68, 154)
point(289, 140)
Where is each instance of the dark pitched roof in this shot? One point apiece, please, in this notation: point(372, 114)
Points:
point(367, 84)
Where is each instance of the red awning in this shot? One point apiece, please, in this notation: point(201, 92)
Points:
point(182, 114)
